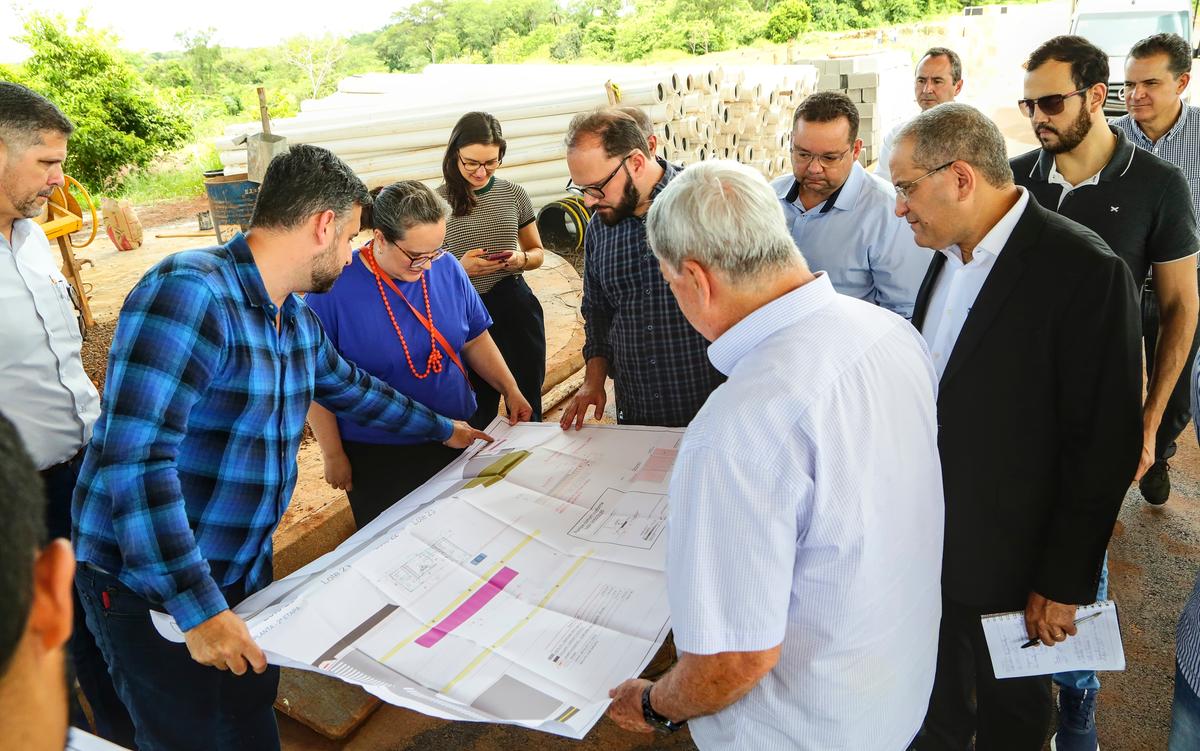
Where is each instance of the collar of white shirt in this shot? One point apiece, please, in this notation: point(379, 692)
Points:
point(745, 335)
point(20, 230)
point(997, 237)
point(1054, 177)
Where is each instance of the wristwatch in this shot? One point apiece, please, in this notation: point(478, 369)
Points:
point(654, 719)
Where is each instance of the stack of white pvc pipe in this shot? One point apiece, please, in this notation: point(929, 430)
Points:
point(390, 127)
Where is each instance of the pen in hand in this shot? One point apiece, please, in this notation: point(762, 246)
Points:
point(1035, 641)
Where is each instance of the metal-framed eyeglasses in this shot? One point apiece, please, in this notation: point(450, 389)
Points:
point(904, 190)
point(416, 261)
point(1051, 104)
point(828, 161)
point(471, 166)
point(596, 190)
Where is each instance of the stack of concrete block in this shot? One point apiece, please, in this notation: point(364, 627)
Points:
point(880, 85)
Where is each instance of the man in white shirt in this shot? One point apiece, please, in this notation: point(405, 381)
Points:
point(43, 387)
point(938, 79)
point(1031, 321)
point(798, 627)
point(840, 215)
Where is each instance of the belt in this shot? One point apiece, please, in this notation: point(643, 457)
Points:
point(78, 457)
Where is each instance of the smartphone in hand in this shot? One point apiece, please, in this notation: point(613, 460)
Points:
point(497, 255)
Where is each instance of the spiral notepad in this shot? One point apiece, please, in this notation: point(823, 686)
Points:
point(1096, 646)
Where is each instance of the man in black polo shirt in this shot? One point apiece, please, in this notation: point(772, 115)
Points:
point(1140, 206)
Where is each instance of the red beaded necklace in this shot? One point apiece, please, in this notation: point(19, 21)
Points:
point(434, 363)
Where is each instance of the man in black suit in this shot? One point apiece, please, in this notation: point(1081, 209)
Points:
point(1032, 324)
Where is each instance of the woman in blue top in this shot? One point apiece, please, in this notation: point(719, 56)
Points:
point(407, 314)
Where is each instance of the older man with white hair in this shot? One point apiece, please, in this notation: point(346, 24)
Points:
point(803, 581)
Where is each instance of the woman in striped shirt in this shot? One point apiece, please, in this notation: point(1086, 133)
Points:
point(493, 232)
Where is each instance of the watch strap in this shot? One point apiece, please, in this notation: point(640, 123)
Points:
point(655, 720)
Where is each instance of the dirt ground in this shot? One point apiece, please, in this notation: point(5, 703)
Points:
point(1154, 554)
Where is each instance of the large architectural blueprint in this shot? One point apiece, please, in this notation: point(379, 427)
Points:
point(518, 585)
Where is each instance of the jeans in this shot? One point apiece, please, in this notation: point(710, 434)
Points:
point(176, 703)
point(1082, 680)
point(1185, 716)
point(87, 664)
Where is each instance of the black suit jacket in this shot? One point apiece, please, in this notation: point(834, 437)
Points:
point(1039, 413)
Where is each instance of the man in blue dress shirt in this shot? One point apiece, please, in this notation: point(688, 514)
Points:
point(841, 216)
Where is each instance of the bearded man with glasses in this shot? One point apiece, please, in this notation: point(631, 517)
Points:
point(634, 329)
point(840, 215)
point(1141, 207)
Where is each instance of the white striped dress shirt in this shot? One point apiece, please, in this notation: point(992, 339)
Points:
point(806, 510)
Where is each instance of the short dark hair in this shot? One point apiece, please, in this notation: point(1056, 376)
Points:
point(949, 54)
point(1175, 47)
point(401, 206)
point(23, 509)
point(618, 133)
point(305, 181)
point(1089, 63)
point(471, 128)
point(25, 115)
point(825, 107)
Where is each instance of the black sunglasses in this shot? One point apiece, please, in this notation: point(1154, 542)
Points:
point(1051, 105)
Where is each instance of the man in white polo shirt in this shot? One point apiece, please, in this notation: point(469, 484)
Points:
point(797, 628)
point(43, 387)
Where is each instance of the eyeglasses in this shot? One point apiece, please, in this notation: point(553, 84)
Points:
point(904, 190)
point(471, 165)
point(596, 190)
point(800, 157)
point(417, 261)
point(1051, 104)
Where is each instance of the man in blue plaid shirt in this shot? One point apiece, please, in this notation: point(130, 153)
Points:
point(193, 460)
point(634, 330)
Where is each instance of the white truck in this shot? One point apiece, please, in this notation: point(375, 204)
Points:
point(1116, 25)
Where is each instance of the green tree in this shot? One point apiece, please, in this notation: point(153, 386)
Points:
point(202, 56)
point(316, 60)
point(789, 19)
point(120, 122)
point(835, 15)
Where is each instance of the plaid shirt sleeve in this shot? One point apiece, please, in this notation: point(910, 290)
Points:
point(167, 348)
point(349, 391)
point(596, 308)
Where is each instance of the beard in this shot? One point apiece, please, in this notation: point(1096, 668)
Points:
point(630, 198)
point(326, 269)
point(1069, 139)
point(28, 205)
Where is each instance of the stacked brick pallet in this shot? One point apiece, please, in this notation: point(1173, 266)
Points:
point(880, 85)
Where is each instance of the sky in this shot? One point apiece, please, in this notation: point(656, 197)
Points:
point(151, 25)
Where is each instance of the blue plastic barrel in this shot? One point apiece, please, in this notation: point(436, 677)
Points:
point(231, 201)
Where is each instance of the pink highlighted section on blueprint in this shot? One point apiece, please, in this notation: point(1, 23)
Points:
point(473, 604)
